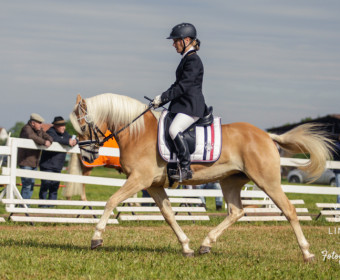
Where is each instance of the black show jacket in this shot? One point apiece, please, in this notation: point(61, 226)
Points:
point(186, 93)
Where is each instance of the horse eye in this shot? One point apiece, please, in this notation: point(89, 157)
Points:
point(83, 128)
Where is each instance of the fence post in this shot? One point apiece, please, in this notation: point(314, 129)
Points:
point(13, 165)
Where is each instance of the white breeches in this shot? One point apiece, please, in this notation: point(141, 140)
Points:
point(180, 123)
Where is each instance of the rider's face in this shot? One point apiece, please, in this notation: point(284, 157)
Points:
point(179, 45)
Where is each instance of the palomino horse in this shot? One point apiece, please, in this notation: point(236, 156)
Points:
point(248, 153)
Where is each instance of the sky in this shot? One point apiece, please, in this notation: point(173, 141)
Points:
point(268, 63)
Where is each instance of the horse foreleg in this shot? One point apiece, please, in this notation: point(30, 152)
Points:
point(162, 201)
point(131, 186)
point(231, 188)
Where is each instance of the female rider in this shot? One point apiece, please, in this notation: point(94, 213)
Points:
point(185, 95)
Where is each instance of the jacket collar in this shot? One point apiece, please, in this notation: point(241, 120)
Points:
point(190, 51)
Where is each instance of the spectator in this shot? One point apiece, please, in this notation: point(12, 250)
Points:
point(54, 161)
point(28, 158)
point(214, 186)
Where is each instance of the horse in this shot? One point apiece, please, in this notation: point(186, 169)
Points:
point(77, 166)
point(248, 154)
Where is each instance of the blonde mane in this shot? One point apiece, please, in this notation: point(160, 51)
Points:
point(116, 110)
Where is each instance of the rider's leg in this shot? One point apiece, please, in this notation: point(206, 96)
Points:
point(180, 123)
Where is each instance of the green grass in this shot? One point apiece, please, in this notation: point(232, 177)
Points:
point(150, 250)
point(136, 251)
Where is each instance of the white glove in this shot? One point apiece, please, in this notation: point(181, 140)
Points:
point(157, 101)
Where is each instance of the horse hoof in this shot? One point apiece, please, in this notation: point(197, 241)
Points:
point(205, 250)
point(310, 259)
point(189, 255)
point(96, 243)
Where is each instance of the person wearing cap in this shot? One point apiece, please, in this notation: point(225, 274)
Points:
point(185, 95)
point(28, 158)
point(54, 161)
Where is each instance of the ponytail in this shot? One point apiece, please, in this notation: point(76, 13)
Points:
point(197, 44)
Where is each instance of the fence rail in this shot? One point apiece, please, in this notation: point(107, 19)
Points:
point(13, 197)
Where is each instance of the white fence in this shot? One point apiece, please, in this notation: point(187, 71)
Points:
point(10, 195)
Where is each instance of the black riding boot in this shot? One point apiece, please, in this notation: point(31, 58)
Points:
point(183, 155)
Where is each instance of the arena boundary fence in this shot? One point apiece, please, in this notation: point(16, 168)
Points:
point(15, 204)
point(11, 197)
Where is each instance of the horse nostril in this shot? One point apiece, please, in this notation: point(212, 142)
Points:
point(87, 159)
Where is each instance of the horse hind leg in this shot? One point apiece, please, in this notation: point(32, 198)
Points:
point(276, 193)
point(231, 188)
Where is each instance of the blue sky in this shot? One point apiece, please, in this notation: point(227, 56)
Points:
point(266, 62)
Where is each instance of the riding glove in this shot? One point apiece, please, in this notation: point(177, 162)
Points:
point(157, 101)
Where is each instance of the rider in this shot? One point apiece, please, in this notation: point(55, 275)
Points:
point(187, 100)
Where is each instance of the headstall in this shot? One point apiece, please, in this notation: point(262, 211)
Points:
point(94, 129)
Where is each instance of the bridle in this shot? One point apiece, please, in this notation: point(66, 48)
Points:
point(95, 131)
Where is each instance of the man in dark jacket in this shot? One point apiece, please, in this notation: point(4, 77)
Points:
point(54, 161)
point(28, 158)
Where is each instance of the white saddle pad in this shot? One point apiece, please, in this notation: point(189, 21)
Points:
point(208, 142)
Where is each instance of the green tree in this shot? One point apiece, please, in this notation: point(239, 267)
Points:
point(306, 119)
point(15, 130)
point(70, 129)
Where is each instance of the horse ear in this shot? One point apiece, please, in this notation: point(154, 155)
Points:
point(78, 98)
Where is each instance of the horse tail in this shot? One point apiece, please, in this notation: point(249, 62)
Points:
point(308, 139)
point(72, 188)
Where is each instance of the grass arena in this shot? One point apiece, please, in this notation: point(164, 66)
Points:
point(146, 251)
point(150, 250)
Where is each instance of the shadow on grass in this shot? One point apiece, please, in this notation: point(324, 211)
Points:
point(72, 247)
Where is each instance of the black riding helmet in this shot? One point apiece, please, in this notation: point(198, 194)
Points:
point(183, 30)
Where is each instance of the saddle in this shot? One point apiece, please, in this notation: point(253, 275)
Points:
point(203, 138)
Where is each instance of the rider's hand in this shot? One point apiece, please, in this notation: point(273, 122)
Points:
point(157, 101)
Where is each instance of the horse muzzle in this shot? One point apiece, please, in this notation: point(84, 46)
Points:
point(89, 157)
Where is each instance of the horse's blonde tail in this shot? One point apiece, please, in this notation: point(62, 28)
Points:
point(308, 139)
point(71, 188)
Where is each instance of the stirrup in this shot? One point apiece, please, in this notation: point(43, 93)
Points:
point(182, 174)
